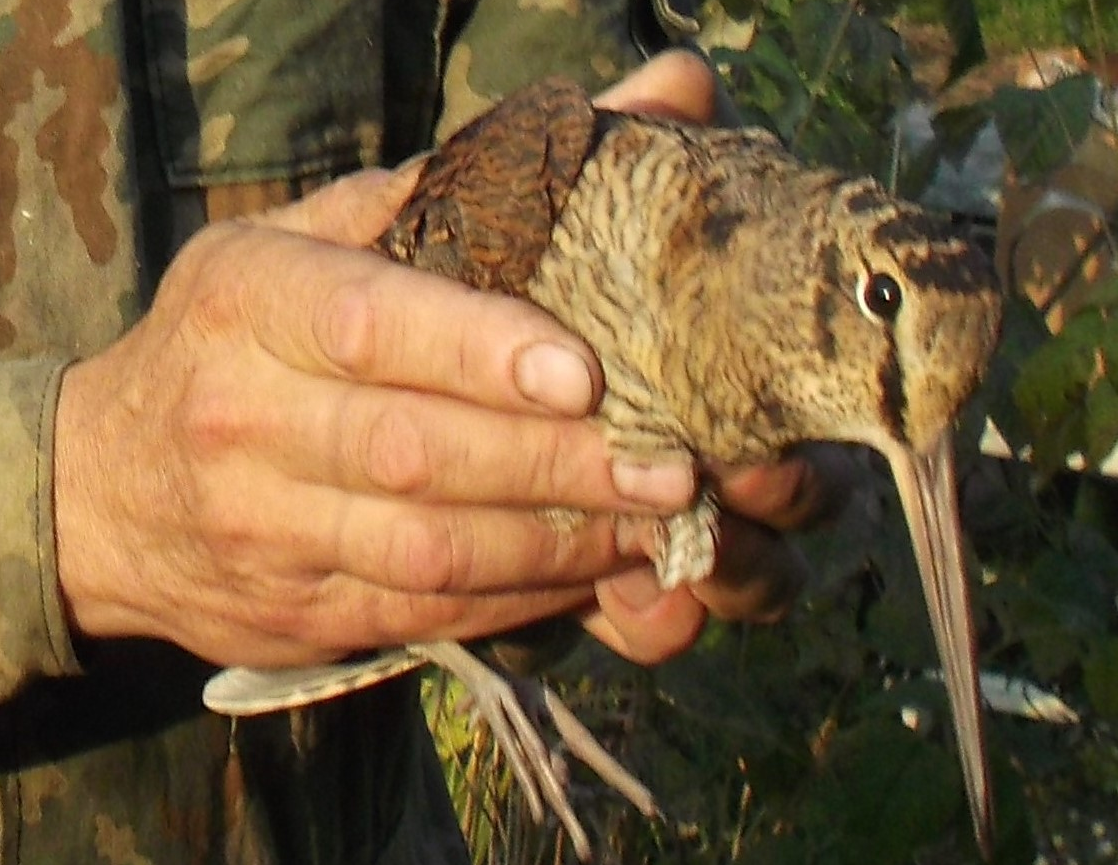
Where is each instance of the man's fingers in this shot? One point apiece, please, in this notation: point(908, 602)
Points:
point(373, 321)
point(405, 616)
point(811, 484)
point(396, 544)
point(387, 441)
point(344, 614)
point(759, 574)
point(353, 211)
point(675, 84)
point(758, 577)
point(640, 621)
point(355, 315)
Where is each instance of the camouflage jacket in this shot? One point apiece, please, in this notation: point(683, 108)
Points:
point(123, 127)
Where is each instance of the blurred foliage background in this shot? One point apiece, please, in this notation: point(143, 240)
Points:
point(785, 744)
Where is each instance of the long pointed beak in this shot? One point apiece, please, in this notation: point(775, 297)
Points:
point(927, 487)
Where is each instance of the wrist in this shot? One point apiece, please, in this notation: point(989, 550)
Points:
point(87, 557)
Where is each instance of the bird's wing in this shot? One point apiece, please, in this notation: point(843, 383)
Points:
point(487, 200)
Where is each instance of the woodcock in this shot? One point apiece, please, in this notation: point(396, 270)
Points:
point(739, 302)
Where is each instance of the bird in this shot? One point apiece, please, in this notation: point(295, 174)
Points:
point(740, 302)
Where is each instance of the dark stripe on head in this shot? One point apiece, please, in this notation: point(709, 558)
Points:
point(722, 211)
point(863, 195)
point(893, 401)
point(825, 303)
point(908, 224)
point(951, 267)
point(931, 253)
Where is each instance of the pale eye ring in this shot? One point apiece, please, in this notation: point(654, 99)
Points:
point(879, 296)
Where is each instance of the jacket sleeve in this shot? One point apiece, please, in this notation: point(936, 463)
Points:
point(34, 638)
point(68, 285)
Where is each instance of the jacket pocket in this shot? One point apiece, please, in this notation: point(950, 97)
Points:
point(256, 90)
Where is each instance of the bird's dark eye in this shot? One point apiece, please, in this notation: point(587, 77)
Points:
point(881, 296)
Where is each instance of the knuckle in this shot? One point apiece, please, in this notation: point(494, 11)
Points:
point(555, 550)
point(548, 466)
point(396, 620)
point(228, 536)
point(572, 543)
point(211, 417)
point(647, 654)
point(659, 645)
point(427, 552)
point(357, 330)
point(210, 268)
point(393, 452)
point(277, 615)
point(759, 579)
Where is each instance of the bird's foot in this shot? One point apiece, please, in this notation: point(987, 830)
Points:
point(539, 770)
point(683, 547)
point(686, 543)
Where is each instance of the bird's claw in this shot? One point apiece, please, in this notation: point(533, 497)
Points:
point(686, 543)
point(540, 771)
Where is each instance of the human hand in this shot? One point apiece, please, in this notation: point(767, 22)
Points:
point(305, 449)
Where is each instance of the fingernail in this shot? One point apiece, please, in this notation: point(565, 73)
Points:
point(661, 485)
point(555, 377)
point(637, 590)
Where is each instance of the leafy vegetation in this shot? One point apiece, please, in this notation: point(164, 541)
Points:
point(784, 744)
point(1030, 24)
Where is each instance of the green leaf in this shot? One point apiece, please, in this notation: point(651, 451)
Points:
point(829, 643)
point(1067, 401)
point(1101, 425)
point(1058, 605)
point(885, 791)
point(901, 632)
point(768, 89)
point(1040, 128)
point(961, 18)
point(1100, 677)
point(1103, 295)
point(957, 128)
point(781, 850)
point(1023, 333)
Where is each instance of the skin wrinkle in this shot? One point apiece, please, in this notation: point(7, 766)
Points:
point(825, 304)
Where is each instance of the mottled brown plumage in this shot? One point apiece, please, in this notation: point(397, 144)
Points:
point(739, 302)
point(713, 273)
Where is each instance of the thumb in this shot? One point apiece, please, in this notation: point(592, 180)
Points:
point(675, 84)
point(352, 211)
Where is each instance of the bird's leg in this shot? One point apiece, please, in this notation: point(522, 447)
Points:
point(584, 745)
point(516, 734)
point(538, 769)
